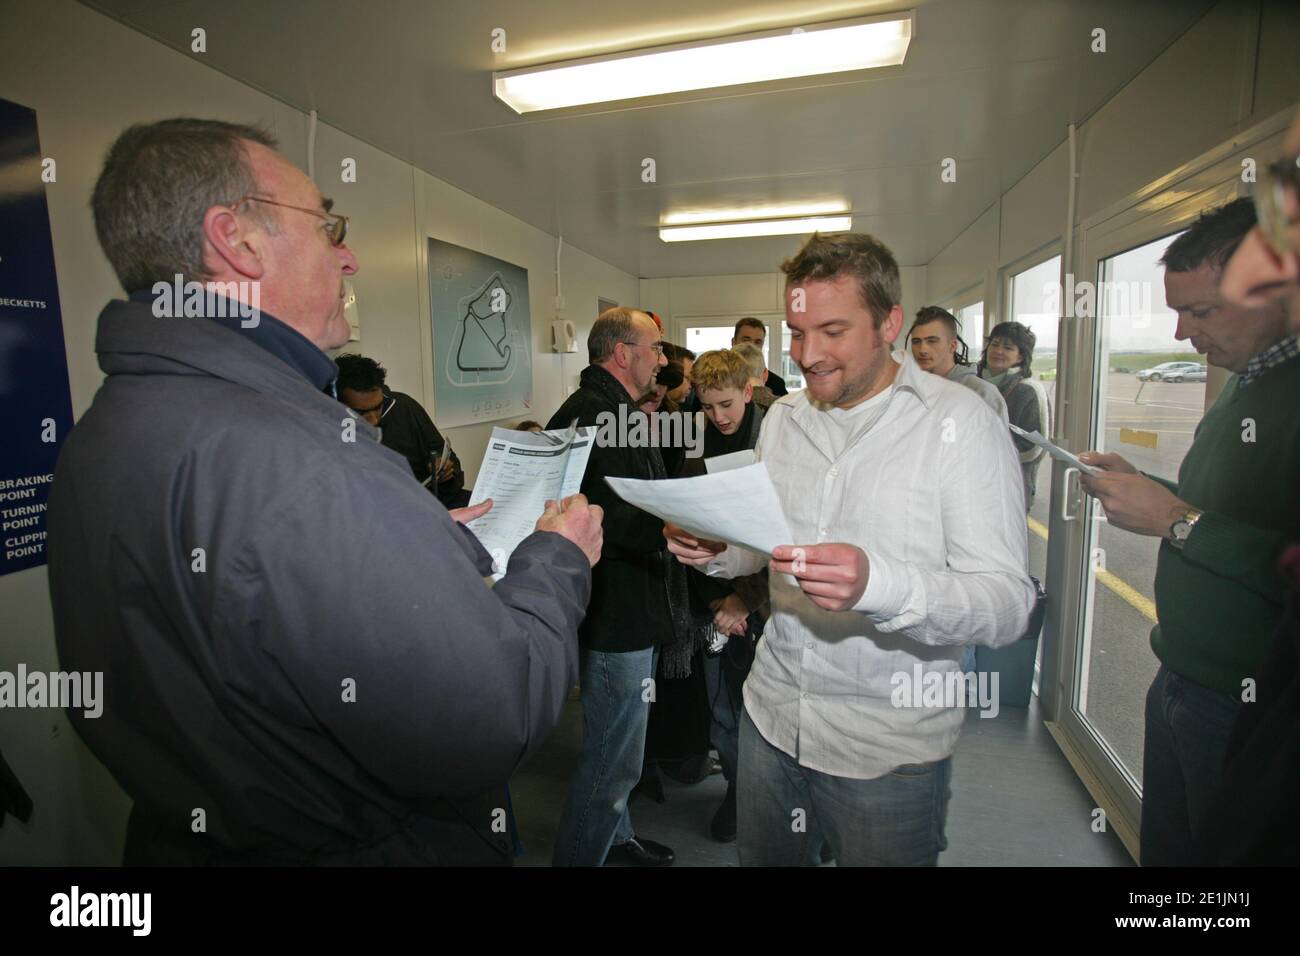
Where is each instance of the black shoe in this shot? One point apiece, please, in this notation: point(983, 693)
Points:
point(650, 785)
point(724, 821)
point(690, 770)
point(637, 852)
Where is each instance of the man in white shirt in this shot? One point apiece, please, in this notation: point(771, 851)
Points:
point(908, 498)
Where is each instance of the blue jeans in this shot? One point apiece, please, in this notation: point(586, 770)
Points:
point(894, 820)
point(724, 728)
point(614, 717)
point(1187, 729)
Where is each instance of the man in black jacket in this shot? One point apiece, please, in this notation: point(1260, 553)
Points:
point(268, 700)
point(638, 600)
point(404, 426)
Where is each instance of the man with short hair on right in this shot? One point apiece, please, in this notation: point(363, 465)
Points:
point(904, 500)
point(754, 332)
point(1225, 523)
point(1253, 818)
point(938, 347)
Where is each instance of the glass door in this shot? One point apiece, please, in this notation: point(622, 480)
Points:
point(1150, 392)
point(1133, 390)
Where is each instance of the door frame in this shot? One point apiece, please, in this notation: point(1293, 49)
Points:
point(1164, 206)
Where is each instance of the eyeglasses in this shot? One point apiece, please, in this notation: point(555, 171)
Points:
point(338, 230)
point(657, 346)
point(1275, 197)
point(363, 412)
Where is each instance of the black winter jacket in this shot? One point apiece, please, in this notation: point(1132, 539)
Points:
point(638, 589)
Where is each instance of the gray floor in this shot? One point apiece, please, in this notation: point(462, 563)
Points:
point(1015, 802)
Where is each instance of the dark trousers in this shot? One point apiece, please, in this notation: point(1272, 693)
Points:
point(1187, 728)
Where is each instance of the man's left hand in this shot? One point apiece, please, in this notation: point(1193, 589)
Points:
point(447, 471)
point(1135, 503)
point(832, 575)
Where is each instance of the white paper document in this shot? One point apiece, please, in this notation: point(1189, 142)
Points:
point(521, 471)
point(737, 459)
point(739, 506)
point(1056, 451)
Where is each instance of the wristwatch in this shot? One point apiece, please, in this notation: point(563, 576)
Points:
point(1180, 529)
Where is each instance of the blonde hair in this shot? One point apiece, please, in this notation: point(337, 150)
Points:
point(720, 369)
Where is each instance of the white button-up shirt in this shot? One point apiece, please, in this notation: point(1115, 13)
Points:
point(925, 480)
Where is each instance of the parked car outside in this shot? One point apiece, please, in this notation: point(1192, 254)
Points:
point(1173, 372)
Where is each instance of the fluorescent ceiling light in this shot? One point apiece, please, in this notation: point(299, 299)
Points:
point(775, 211)
point(834, 47)
point(756, 227)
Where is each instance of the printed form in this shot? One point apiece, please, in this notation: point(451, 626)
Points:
point(521, 471)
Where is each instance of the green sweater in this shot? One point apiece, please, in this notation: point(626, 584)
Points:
point(1220, 598)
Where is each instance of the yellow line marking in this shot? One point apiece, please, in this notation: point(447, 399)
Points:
point(1135, 436)
point(1140, 602)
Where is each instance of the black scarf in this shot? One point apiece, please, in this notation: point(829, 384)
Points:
point(743, 438)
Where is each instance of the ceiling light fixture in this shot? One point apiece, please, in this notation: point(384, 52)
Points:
point(834, 47)
point(784, 210)
point(739, 229)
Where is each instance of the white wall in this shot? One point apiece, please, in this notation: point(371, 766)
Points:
point(88, 78)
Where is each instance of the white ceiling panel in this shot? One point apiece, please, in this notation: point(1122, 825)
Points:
point(990, 83)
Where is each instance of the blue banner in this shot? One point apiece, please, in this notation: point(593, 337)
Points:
point(35, 405)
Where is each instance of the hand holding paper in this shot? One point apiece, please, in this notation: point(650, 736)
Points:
point(1056, 451)
point(521, 473)
point(578, 521)
point(688, 548)
point(833, 575)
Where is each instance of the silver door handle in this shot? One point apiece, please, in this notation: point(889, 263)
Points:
point(1066, 497)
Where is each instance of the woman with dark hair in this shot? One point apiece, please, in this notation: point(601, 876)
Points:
point(1006, 362)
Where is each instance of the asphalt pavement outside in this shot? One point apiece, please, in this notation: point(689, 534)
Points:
point(1120, 663)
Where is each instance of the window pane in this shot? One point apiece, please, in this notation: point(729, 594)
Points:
point(789, 370)
point(1035, 303)
point(706, 338)
point(971, 320)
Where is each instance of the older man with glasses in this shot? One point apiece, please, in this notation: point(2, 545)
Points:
point(268, 700)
